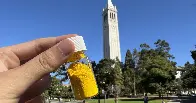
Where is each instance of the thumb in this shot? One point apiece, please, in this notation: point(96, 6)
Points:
point(24, 76)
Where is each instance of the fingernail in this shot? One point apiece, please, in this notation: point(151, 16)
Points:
point(66, 47)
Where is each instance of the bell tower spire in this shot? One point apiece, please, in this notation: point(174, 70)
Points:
point(110, 3)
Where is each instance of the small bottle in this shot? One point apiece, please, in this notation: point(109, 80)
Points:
point(80, 71)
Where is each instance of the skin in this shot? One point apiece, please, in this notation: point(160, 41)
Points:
point(25, 68)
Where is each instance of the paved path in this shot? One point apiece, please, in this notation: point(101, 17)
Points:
point(184, 100)
point(175, 101)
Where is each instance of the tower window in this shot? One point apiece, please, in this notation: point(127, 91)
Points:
point(114, 16)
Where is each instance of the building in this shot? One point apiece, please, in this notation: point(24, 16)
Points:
point(111, 41)
point(179, 72)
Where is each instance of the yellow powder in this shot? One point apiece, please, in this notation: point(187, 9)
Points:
point(82, 80)
point(76, 56)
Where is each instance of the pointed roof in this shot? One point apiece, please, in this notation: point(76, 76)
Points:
point(110, 3)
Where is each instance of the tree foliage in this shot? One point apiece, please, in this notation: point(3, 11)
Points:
point(189, 76)
point(109, 74)
point(130, 73)
point(156, 68)
point(129, 63)
point(57, 90)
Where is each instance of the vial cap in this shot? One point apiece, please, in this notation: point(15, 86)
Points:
point(78, 43)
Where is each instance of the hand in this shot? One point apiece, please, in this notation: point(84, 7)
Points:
point(25, 68)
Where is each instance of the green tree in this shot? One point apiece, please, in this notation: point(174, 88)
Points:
point(193, 54)
point(104, 68)
point(116, 73)
point(137, 78)
point(94, 66)
point(163, 48)
point(129, 63)
point(156, 67)
point(144, 46)
point(188, 77)
point(130, 72)
point(55, 90)
point(109, 73)
point(128, 75)
point(45, 95)
point(66, 92)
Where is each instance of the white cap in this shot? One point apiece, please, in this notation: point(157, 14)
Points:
point(78, 43)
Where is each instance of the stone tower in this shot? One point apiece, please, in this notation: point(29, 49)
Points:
point(111, 41)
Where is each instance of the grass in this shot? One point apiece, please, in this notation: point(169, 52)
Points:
point(124, 101)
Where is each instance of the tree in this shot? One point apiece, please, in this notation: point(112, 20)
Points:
point(130, 72)
point(94, 66)
point(118, 79)
point(95, 70)
point(135, 60)
point(45, 95)
point(193, 54)
point(128, 75)
point(56, 90)
point(162, 47)
point(104, 68)
point(129, 63)
point(188, 77)
point(156, 67)
point(66, 92)
point(109, 73)
point(116, 73)
point(144, 46)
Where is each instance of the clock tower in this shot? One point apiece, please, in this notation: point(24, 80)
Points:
point(111, 41)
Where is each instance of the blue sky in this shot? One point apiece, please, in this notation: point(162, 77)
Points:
point(140, 21)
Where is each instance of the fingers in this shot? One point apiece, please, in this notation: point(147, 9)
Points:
point(28, 50)
point(24, 76)
point(36, 89)
point(8, 60)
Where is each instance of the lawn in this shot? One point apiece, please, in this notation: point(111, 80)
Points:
point(124, 101)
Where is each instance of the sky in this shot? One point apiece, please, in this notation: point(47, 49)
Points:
point(140, 21)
